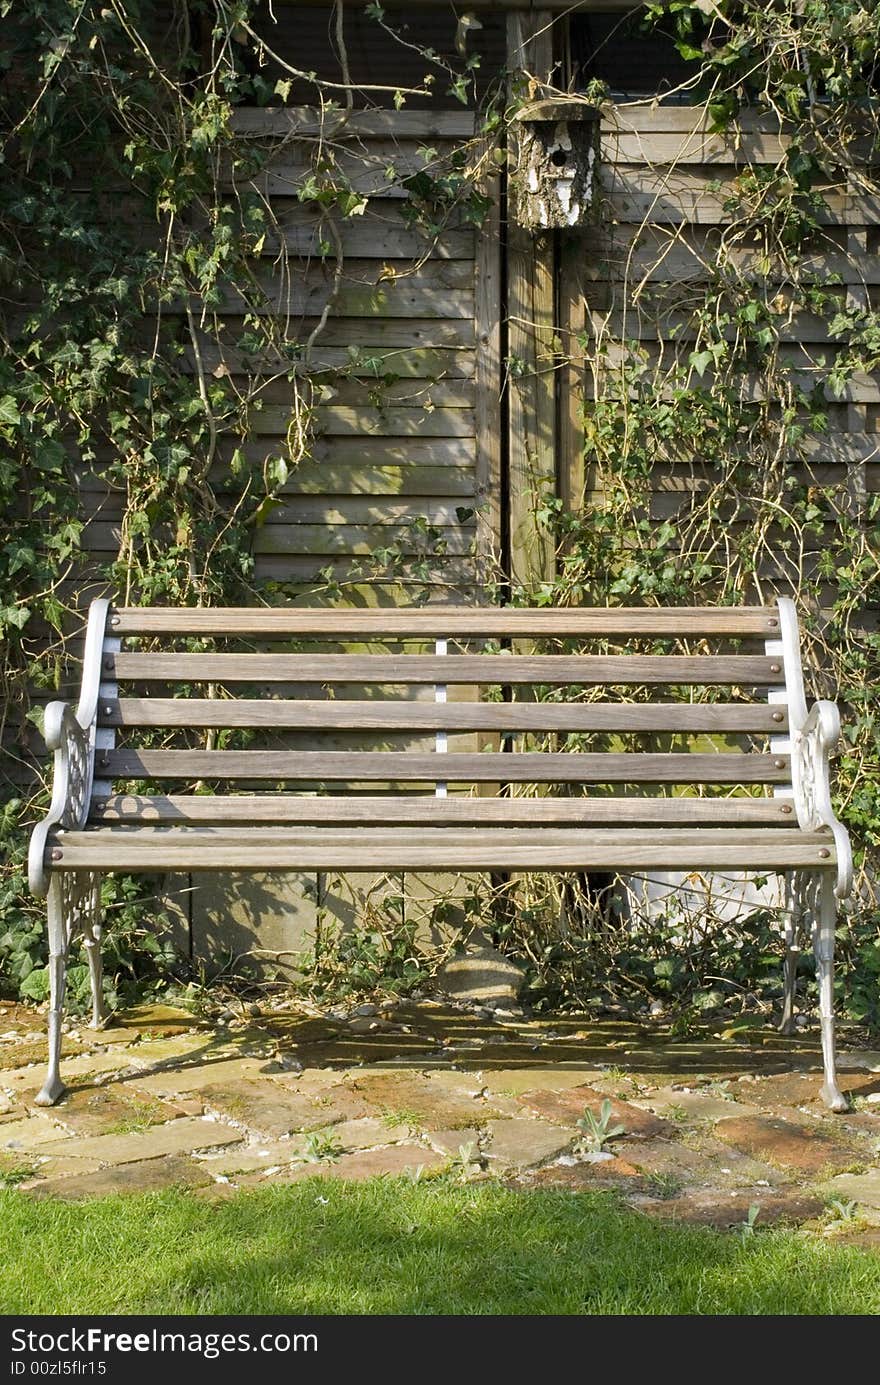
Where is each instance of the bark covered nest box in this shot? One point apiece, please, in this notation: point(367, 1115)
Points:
point(553, 183)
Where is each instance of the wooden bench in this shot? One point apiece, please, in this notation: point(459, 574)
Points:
point(744, 788)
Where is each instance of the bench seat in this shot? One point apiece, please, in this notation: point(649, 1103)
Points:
point(607, 741)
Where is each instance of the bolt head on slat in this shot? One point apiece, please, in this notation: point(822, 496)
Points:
point(57, 854)
point(775, 668)
point(777, 716)
point(786, 808)
point(114, 620)
point(824, 853)
point(779, 764)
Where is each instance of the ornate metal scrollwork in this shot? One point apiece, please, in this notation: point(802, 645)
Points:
point(811, 744)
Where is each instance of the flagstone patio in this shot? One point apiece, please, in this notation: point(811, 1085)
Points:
point(713, 1126)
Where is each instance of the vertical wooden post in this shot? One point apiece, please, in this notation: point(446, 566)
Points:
point(572, 325)
point(857, 414)
point(531, 363)
point(488, 378)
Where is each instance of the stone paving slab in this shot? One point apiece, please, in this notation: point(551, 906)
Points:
point(567, 1108)
point(722, 1209)
point(361, 1164)
point(688, 1105)
point(799, 1088)
point(185, 1077)
point(611, 1175)
point(732, 1168)
point(396, 1159)
point(86, 1069)
point(260, 1156)
point(177, 1137)
point(798, 1147)
point(433, 1101)
point(148, 1176)
point(523, 1144)
point(110, 1110)
point(863, 1188)
point(451, 1142)
point(29, 1133)
point(271, 1109)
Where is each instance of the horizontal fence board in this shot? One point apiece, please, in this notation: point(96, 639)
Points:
point(523, 768)
point(452, 621)
point(372, 236)
point(692, 146)
point(282, 121)
point(292, 299)
point(376, 394)
point(395, 422)
point(636, 193)
point(400, 849)
point(325, 479)
point(509, 716)
point(370, 362)
point(695, 255)
point(366, 341)
point(316, 539)
point(412, 577)
point(425, 810)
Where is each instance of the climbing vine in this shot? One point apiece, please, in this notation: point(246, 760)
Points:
point(133, 218)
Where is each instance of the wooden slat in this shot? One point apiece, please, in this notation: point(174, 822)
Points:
point(318, 539)
point(741, 669)
point(449, 621)
point(307, 121)
point(429, 716)
point(422, 810)
point(403, 849)
point(525, 768)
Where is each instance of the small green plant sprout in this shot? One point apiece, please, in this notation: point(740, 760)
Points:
point(16, 1173)
point(598, 1130)
point(664, 1185)
point(319, 1146)
point(748, 1226)
point(468, 1162)
point(841, 1210)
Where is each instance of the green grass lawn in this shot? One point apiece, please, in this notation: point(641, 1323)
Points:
point(394, 1246)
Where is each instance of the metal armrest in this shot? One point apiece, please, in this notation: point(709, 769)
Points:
point(811, 744)
point(72, 737)
point(71, 788)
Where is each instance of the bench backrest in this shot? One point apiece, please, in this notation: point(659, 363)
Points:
point(682, 714)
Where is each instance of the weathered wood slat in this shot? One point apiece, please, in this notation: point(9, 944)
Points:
point(451, 621)
point(394, 849)
point(697, 195)
point(320, 539)
point(373, 337)
point(378, 236)
point(525, 768)
point(453, 716)
point(396, 422)
point(404, 299)
point(697, 145)
point(283, 121)
point(429, 811)
point(733, 669)
point(655, 256)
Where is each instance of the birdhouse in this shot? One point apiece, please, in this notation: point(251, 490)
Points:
point(554, 179)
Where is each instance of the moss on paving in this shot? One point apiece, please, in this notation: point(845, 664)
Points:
point(398, 1247)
